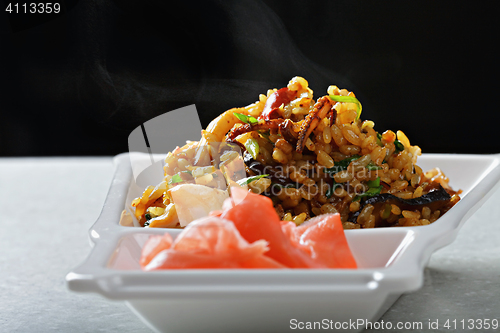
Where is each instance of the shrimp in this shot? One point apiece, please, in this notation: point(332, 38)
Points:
point(321, 109)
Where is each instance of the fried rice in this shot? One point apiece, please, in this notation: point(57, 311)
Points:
point(311, 157)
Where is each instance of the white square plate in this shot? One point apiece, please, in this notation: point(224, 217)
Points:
point(390, 260)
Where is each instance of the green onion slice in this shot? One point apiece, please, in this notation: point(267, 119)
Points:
point(341, 165)
point(372, 166)
point(387, 211)
point(252, 147)
point(348, 99)
point(248, 180)
point(177, 178)
point(373, 183)
point(331, 190)
point(379, 140)
point(399, 146)
point(265, 135)
point(372, 191)
point(246, 119)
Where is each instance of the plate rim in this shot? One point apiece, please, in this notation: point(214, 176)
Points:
point(404, 274)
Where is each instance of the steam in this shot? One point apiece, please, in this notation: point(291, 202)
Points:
point(217, 61)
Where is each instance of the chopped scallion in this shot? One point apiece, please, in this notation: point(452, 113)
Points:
point(373, 183)
point(246, 119)
point(265, 135)
point(372, 166)
point(252, 146)
point(387, 211)
point(248, 180)
point(379, 140)
point(399, 146)
point(175, 179)
point(348, 99)
point(372, 191)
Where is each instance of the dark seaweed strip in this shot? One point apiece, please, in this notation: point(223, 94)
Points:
point(426, 199)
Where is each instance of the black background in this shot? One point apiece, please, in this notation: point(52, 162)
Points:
point(79, 82)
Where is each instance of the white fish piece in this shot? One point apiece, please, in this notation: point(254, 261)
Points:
point(193, 201)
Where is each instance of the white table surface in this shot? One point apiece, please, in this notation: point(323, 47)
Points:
point(47, 206)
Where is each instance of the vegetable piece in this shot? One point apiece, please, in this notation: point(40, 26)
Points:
point(252, 146)
point(373, 183)
point(372, 166)
point(175, 179)
point(372, 191)
point(387, 211)
point(399, 146)
point(246, 119)
point(265, 135)
point(379, 139)
point(248, 180)
point(341, 165)
point(178, 177)
point(348, 99)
